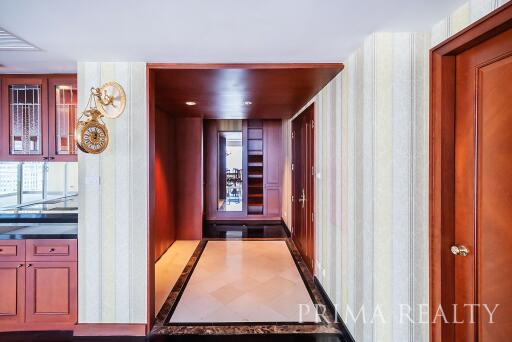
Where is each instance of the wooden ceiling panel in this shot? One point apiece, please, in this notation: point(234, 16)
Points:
point(221, 91)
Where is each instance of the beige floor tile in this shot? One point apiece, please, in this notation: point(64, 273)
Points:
point(169, 267)
point(244, 281)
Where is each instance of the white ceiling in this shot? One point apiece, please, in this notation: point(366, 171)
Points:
point(207, 31)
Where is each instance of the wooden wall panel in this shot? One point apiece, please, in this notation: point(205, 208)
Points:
point(189, 178)
point(273, 154)
point(164, 231)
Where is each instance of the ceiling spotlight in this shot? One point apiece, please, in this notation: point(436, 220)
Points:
point(190, 103)
point(247, 103)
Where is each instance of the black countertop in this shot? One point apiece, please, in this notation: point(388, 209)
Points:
point(22, 231)
point(57, 210)
point(26, 217)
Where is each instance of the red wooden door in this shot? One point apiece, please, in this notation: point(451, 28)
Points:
point(483, 190)
point(62, 116)
point(12, 292)
point(51, 292)
point(24, 119)
point(303, 139)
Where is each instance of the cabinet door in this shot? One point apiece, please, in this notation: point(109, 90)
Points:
point(272, 163)
point(12, 292)
point(51, 292)
point(62, 113)
point(24, 119)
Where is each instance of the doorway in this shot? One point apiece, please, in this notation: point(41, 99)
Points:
point(303, 184)
point(470, 186)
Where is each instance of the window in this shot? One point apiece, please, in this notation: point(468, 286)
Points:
point(31, 182)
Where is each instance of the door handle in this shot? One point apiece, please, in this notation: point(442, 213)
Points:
point(459, 250)
point(302, 198)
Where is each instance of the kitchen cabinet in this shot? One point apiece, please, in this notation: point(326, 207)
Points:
point(12, 292)
point(37, 118)
point(38, 282)
point(62, 114)
point(51, 292)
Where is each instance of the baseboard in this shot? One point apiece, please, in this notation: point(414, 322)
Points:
point(287, 230)
point(244, 220)
point(109, 329)
point(16, 327)
point(332, 308)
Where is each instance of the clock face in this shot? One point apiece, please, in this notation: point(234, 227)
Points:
point(94, 138)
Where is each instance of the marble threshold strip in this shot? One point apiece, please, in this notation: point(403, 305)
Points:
point(163, 327)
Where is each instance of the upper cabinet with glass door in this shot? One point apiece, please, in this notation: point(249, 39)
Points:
point(38, 115)
point(62, 114)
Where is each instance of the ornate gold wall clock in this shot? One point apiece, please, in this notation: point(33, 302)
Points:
point(91, 133)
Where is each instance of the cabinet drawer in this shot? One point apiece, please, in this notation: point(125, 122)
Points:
point(12, 250)
point(51, 250)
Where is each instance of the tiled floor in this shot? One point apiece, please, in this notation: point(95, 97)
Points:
point(244, 281)
point(169, 267)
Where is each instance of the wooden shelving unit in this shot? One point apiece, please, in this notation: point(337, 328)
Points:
point(255, 167)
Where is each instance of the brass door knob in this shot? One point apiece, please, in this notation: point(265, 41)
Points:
point(459, 250)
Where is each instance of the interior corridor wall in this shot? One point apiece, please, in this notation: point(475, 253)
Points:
point(371, 126)
point(113, 202)
point(372, 180)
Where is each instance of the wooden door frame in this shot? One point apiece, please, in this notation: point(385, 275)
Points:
point(151, 68)
point(442, 162)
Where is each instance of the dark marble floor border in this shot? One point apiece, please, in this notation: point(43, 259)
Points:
point(162, 327)
point(172, 300)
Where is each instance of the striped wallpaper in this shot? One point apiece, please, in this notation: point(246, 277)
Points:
point(112, 222)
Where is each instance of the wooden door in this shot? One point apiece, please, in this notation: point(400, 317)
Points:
point(272, 160)
point(51, 292)
point(62, 113)
point(483, 189)
point(12, 292)
point(303, 185)
point(24, 119)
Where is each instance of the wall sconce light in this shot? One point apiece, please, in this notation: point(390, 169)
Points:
point(91, 133)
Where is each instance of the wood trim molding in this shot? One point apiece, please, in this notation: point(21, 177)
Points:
point(150, 301)
point(36, 327)
point(109, 329)
point(242, 65)
point(441, 166)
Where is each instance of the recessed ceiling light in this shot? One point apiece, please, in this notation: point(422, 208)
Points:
point(190, 103)
point(247, 103)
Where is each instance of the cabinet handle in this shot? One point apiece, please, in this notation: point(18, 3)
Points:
point(19, 265)
point(1, 250)
point(29, 265)
point(51, 158)
point(45, 158)
point(52, 249)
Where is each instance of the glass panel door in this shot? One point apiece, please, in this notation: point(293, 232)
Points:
point(25, 119)
point(65, 119)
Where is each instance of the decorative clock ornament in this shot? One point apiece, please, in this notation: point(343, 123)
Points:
point(91, 133)
point(111, 98)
